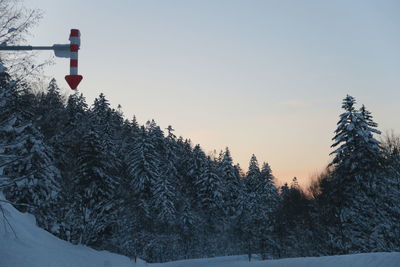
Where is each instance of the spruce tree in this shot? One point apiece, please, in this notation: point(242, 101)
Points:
point(268, 201)
point(209, 191)
point(164, 193)
point(352, 194)
point(233, 185)
point(94, 192)
point(26, 161)
point(251, 217)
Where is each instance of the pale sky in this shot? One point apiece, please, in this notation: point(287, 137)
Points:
point(262, 77)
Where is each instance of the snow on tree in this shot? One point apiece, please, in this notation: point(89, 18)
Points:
point(7, 121)
point(143, 162)
point(209, 190)
point(251, 218)
point(94, 192)
point(233, 185)
point(27, 162)
point(164, 194)
point(356, 178)
point(356, 146)
point(49, 109)
point(143, 168)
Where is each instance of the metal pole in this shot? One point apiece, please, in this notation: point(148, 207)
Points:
point(26, 47)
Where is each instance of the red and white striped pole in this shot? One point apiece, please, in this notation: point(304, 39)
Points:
point(73, 79)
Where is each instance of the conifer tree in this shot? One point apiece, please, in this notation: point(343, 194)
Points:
point(353, 194)
point(49, 110)
point(94, 191)
point(209, 190)
point(233, 185)
point(268, 201)
point(143, 163)
point(26, 161)
point(7, 121)
point(250, 218)
point(164, 188)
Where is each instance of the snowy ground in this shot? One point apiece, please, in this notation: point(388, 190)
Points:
point(357, 260)
point(34, 247)
point(29, 246)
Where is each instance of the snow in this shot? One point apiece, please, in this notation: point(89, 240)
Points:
point(356, 260)
point(34, 247)
point(27, 245)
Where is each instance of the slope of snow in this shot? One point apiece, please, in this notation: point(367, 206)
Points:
point(26, 245)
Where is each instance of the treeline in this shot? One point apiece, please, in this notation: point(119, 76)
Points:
point(92, 177)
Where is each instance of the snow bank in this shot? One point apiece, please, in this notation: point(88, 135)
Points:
point(26, 245)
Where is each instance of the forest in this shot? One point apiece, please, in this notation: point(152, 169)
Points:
point(93, 177)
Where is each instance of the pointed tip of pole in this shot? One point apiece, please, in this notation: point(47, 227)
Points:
point(73, 80)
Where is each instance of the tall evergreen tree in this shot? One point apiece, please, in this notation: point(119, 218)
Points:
point(27, 162)
point(233, 185)
point(268, 201)
point(209, 190)
point(352, 195)
point(250, 218)
point(164, 188)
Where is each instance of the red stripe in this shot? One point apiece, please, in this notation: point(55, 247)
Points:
point(74, 33)
point(73, 47)
point(73, 63)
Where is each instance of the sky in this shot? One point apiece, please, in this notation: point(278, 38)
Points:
point(262, 77)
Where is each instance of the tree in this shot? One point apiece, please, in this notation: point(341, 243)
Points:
point(7, 121)
point(390, 188)
point(15, 25)
point(50, 117)
point(353, 193)
point(233, 185)
point(27, 162)
point(293, 223)
point(94, 203)
point(250, 218)
point(209, 191)
point(143, 163)
point(357, 148)
point(268, 201)
point(164, 188)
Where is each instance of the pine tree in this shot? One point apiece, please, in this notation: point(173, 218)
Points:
point(107, 123)
point(27, 162)
point(353, 195)
point(143, 163)
point(268, 201)
point(7, 122)
point(49, 109)
point(94, 192)
point(164, 188)
point(209, 190)
point(251, 217)
point(233, 185)
point(357, 148)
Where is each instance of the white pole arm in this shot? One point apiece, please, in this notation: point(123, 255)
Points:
point(60, 50)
